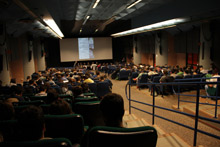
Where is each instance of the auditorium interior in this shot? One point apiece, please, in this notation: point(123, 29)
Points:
point(110, 73)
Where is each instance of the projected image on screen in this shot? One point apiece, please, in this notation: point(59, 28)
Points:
point(86, 48)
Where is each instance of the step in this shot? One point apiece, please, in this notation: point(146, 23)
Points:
point(129, 117)
point(205, 111)
point(135, 123)
point(159, 130)
point(171, 140)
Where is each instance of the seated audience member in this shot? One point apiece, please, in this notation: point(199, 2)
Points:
point(85, 87)
point(42, 91)
point(107, 80)
point(180, 72)
point(65, 90)
point(12, 83)
point(88, 79)
point(31, 124)
point(97, 75)
point(143, 71)
point(28, 78)
point(202, 70)
point(60, 107)
point(102, 79)
point(51, 80)
point(173, 73)
point(16, 94)
point(152, 72)
point(52, 96)
point(32, 86)
point(77, 91)
point(211, 88)
point(112, 107)
point(6, 111)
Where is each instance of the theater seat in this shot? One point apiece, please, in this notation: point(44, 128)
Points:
point(121, 137)
point(56, 142)
point(91, 112)
point(70, 126)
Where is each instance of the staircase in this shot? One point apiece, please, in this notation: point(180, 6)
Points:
point(204, 110)
point(164, 139)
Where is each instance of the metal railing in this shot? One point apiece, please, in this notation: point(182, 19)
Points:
point(216, 97)
point(196, 116)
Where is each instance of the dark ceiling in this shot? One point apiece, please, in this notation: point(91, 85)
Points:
point(110, 16)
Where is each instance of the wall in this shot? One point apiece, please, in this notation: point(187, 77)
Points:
point(16, 62)
point(16, 59)
point(39, 60)
point(206, 44)
point(161, 57)
point(172, 58)
point(28, 65)
point(4, 74)
point(136, 51)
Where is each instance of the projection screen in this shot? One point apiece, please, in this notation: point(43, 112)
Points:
point(83, 49)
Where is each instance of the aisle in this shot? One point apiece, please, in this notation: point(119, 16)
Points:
point(144, 96)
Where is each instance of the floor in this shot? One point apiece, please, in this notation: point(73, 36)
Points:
point(187, 135)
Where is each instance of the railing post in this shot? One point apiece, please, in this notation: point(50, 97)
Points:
point(129, 93)
point(197, 115)
point(216, 101)
point(178, 96)
point(153, 111)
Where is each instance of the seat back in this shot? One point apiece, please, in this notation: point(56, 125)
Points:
point(103, 88)
point(124, 74)
point(86, 99)
point(121, 137)
point(93, 87)
point(22, 103)
point(8, 129)
point(69, 126)
point(35, 98)
point(91, 112)
point(55, 142)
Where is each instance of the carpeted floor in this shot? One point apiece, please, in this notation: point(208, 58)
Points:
point(143, 95)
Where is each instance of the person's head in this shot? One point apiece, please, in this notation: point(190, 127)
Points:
point(112, 107)
point(42, 88)
point(102, 78)
point(165, 72)
point(52, 96)
point(85, 87)
point(28, 78)
point(77, 90)
point(16, 90)
point(97, 72)
point(60, 107)
point(6, 111)
point(31, 123)
point(13, 81)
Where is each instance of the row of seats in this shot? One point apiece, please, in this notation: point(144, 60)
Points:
point(71, 126)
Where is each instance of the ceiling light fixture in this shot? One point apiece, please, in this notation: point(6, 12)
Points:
point(80, 30)
point(134, 3)
point(96, 3)
point(53, 26)
point(87, 17)
point(96, 30)
point(152, 27)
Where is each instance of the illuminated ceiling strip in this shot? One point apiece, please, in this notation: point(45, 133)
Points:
point(152, 27)
point(87, 17)
point(96, 3)
point(53, 32)
point(52, 25)
point(134, 3)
